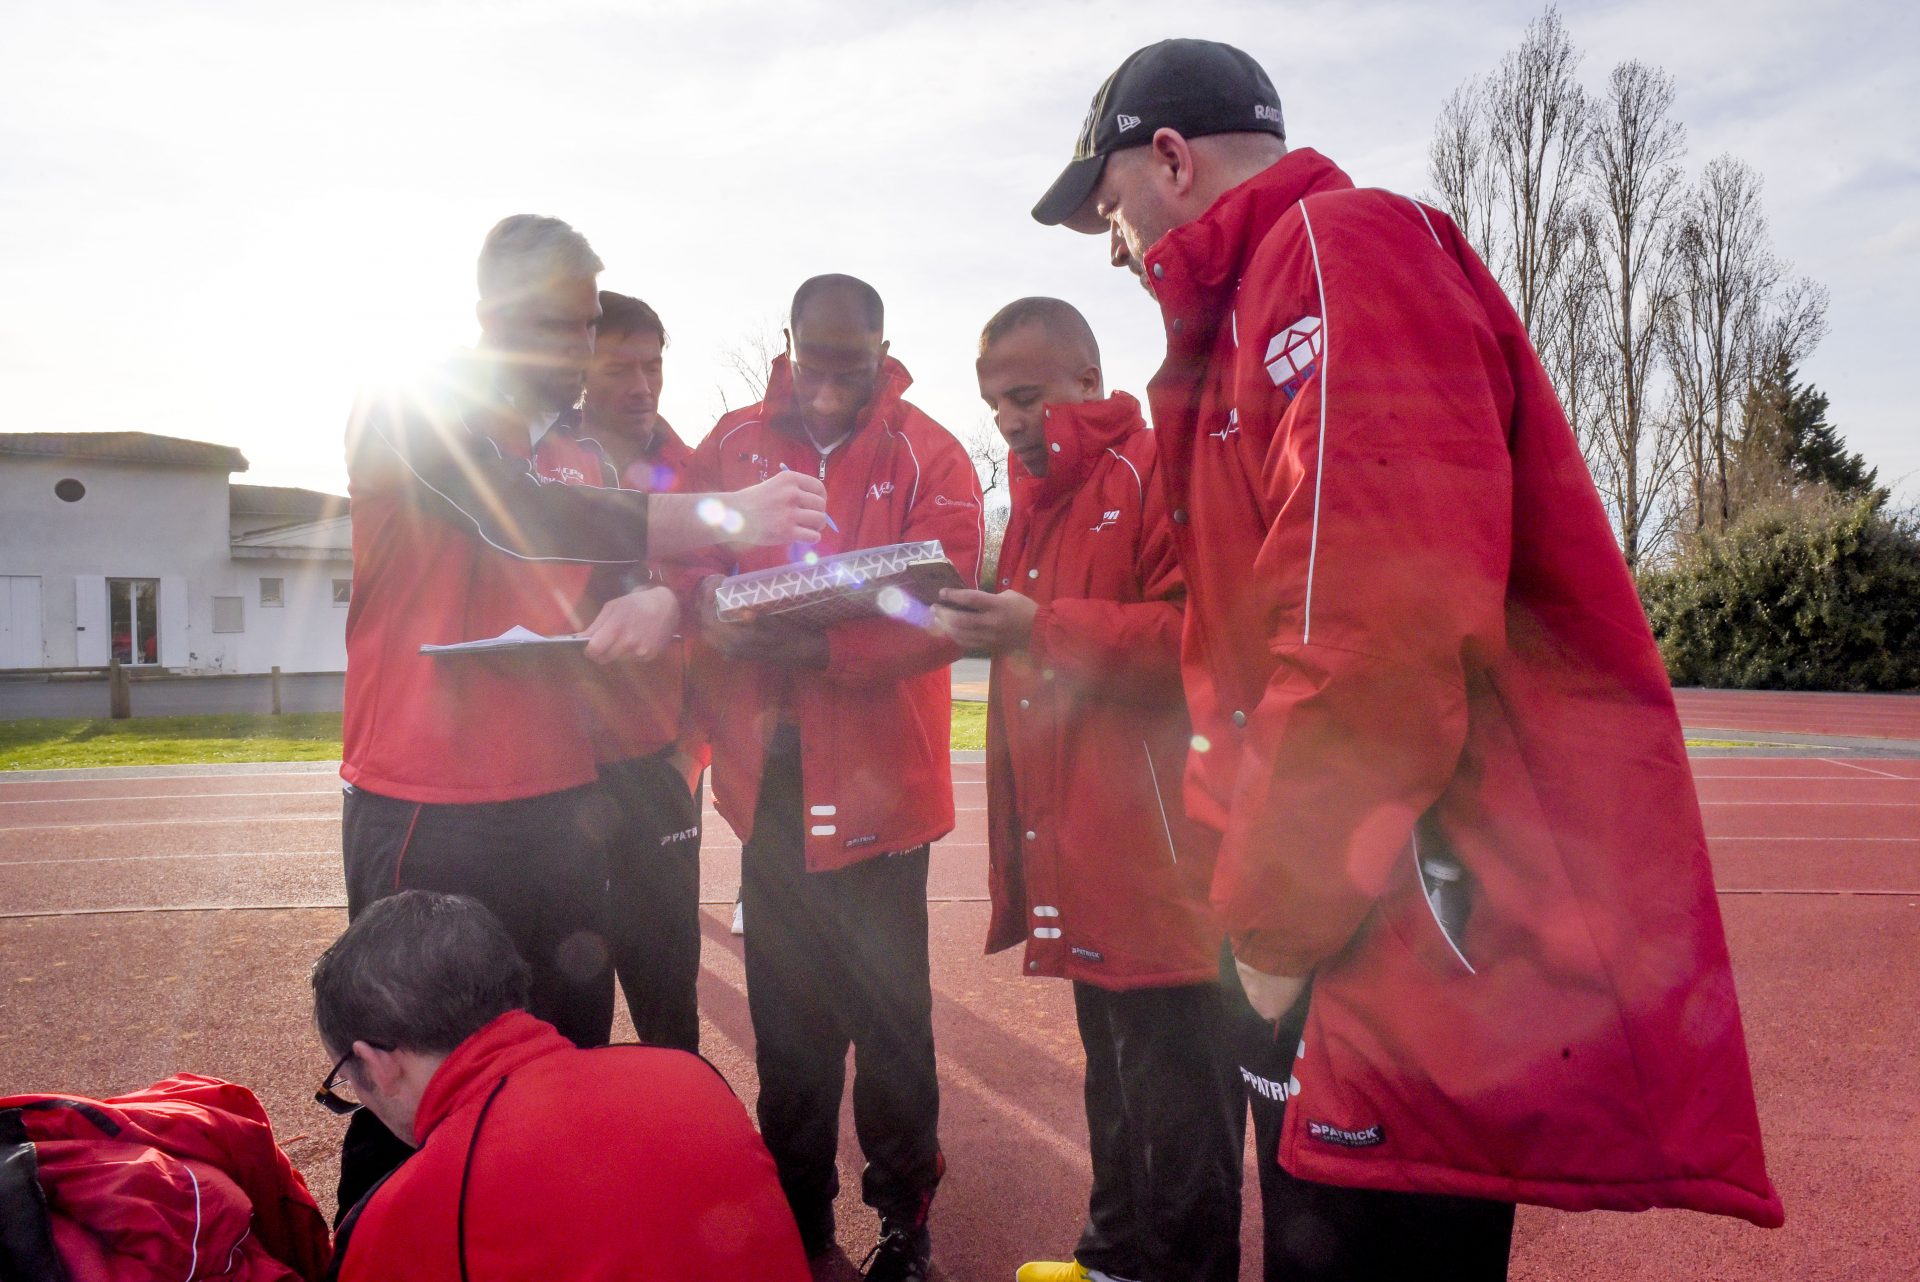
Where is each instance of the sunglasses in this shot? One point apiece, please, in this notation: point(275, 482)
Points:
point(329, 1098)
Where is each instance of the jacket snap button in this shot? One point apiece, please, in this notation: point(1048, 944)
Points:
point(1024, 705)
point(1159, 271)
point(1033, 574)
point(1005, 582)
point(1179, 516)
point(1055, 447)
point(1032, 835)
point(1177, 323)
point(1240, 719)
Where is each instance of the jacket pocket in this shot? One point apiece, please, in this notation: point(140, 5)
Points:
point(1431, 902)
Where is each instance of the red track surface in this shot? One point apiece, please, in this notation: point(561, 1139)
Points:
point(1865, 716)
point(1818, 859)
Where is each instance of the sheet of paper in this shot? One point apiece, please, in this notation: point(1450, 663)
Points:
point(514, 639)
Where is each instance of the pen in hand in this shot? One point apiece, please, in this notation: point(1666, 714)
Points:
point(830, 524)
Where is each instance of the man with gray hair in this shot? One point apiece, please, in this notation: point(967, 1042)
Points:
point(476, 775)
point(536, 1159)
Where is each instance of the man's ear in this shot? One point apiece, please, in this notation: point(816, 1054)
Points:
point(884, 345)
point(1173, 156)
point(1092, 385)
point(787, 336)
point(382, 1069)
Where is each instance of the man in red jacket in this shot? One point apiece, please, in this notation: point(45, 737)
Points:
point(476, 775)
point(1431, 723)
point(831, 760)
point(1094, 866)
point(536, 1159)
point(650, 761)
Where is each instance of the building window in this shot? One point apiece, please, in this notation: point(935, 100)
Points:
point(343, 591)
point(68, 490)
point(270, 593)
point(227, 615)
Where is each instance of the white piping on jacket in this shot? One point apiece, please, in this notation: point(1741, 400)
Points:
point(1160, 801)
point(1319, 465)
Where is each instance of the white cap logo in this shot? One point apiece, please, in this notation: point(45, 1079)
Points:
point(1127, 122)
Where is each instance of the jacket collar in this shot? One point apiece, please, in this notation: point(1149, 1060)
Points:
point(783, 413)
point(1194, 269)
point(477, 1064)
point(1076, 436)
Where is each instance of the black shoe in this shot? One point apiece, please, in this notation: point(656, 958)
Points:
point(817, 1231)
point(904, 1253)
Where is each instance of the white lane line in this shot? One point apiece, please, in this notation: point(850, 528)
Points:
point(1884, 778)
point(1909, 841)
point(175, 823)
point(164, 796)
point(1883, 774)
point(1855, 805)
point(149, 859)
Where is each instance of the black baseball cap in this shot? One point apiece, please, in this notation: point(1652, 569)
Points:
point(1195, 87)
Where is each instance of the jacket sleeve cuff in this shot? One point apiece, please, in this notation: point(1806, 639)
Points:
point(1040, 642)
point(1270, 956)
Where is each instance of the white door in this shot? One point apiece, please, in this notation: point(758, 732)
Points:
point(21, 643)
point(91, 648)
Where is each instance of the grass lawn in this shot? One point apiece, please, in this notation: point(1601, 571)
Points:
point(298, 736)
point(168, 741)
point(969, 726)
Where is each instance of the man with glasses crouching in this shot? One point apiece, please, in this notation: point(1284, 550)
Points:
point(536, 1159)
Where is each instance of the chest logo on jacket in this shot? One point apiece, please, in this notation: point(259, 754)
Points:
point(1231, 429)
point(879, 490)
point(1107, 518)
point(1294, 354)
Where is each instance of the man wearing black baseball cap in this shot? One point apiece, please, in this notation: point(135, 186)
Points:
point(1461, 870)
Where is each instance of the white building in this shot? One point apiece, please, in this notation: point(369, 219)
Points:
point(137, 547)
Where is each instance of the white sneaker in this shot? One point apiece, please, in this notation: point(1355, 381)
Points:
point(739, 918)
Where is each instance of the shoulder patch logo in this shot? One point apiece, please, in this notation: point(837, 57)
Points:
point(1127, 122)
point(1294, 354)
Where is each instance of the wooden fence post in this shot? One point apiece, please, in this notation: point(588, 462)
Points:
point(276, 689)
point(119, 693)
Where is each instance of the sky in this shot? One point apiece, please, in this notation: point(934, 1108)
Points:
point(218, 219)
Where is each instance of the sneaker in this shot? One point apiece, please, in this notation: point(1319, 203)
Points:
point(739, 918)
point(1062, 1271)
point(904, 1253)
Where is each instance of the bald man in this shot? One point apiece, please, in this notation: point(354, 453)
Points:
point(1094, 865)
point(831, 760)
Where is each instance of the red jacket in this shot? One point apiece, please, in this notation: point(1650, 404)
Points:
point(1412, 641)
point(633, 709)
point(180, 1180)
point(1094, 863)
point(875, 724)
point(625, 1162)
point(457, 537)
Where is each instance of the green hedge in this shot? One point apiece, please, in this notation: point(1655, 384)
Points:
point(1810, 593)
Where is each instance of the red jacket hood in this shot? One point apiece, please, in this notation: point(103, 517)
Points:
point(1076, 435)
point(509, 1042)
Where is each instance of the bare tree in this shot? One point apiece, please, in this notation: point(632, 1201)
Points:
point(1632, 160)
point(1460, 167)
point(1537, 118)
point(1727, 275)
point(1568, 328)
point(746, 362)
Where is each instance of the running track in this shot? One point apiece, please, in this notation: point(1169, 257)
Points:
point(155, 921)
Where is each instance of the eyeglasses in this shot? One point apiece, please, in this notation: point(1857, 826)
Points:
point(329, 1098)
